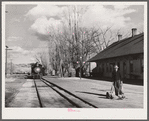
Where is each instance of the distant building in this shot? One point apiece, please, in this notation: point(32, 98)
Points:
point(127, 53)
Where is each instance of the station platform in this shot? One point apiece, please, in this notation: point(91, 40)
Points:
point(90, 90)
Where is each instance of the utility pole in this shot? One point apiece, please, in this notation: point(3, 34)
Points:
point(6, 60)
point(11, 67)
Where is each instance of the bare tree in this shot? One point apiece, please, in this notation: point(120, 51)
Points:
point(75, 41)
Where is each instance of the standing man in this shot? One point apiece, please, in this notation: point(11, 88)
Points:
point(117, 82)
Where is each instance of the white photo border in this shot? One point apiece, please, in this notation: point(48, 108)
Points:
point(62, 113)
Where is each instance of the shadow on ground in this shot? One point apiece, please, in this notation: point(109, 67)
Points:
point(99, 89)
point(103, 96)
point(92, 93)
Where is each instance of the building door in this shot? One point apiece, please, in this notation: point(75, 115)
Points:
point(112, 67)
point(124, 70)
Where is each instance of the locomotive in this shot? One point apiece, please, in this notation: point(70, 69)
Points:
point(37, 70)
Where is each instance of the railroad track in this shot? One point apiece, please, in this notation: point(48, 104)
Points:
point(67, 95)
point(38, 95)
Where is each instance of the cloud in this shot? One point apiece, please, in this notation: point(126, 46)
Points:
point(121, 7)
point(19, 50)
point(45, 10)
point(49, 18)
point(19, 55)
point(15, 20)
point(99, 15)
point(43, 26)
point(32, 60)
point(14, 38)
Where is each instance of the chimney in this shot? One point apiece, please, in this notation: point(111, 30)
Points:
point(119, 37)
point(134, 31)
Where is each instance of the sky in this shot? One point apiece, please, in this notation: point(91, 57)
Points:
point(27, 25)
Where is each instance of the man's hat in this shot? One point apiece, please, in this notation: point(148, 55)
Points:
point(115, 66)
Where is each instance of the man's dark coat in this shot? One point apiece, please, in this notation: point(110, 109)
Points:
point(117, 82)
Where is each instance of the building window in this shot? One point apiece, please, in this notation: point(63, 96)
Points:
point(103, 67)
point(100, 67)
point(111, 67)
point(107, 68)
point(97, 66)
point(131, 66)
point(124, 69)
point(142, 65)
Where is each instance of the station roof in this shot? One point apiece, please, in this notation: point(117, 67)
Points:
point(127, 46)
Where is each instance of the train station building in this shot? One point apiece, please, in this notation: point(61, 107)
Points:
point(127, 53)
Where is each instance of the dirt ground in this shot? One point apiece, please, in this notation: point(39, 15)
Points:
point(12, 86)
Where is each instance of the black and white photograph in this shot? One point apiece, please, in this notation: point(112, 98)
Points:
point(74, 60)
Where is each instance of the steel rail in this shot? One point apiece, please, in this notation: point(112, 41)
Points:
point(73, 103)
point(40, 102)
point(68, 93)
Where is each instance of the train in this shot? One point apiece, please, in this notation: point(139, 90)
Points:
point(37, 70)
